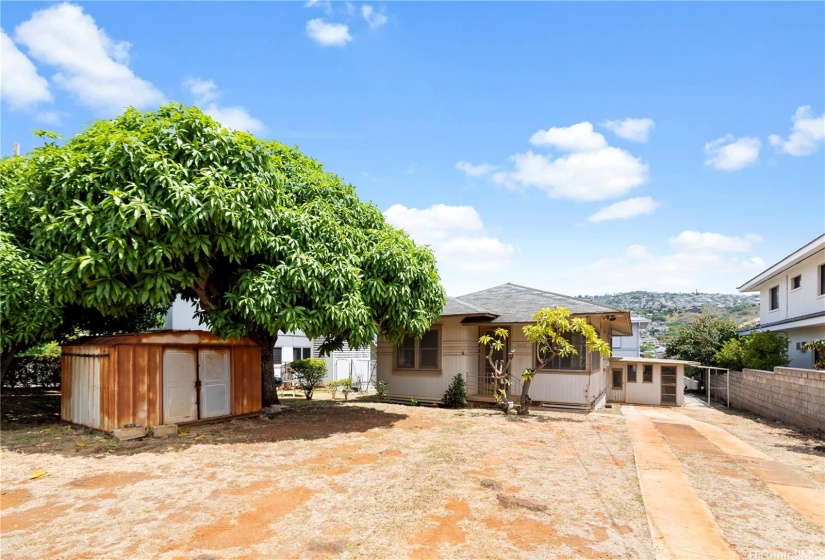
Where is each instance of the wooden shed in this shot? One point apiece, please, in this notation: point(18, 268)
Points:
point(154, 378)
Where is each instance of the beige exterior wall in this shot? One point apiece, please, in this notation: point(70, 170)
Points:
point(461, 354)
point(641, 392)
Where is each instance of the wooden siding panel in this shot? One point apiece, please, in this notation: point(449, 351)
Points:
point(154, 382)
point(139, 387)
point(66, 367)
point(254, 380)
point(236, 383)
point(123, 386)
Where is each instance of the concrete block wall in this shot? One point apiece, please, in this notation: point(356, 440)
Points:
point(795, 396)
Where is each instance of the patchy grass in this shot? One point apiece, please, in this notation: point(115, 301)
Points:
point(324, 478)
point(356, 479)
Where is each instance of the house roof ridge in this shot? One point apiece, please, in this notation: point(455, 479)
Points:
point(606, 307)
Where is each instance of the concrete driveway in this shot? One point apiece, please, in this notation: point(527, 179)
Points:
point(667, 445)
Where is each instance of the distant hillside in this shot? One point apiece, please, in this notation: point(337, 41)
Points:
point(673, 310)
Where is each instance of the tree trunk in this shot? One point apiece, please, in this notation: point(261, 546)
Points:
point(5, 362)
point(524, 400)
point(269, 390)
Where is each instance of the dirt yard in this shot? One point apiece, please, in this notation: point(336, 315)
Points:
point(350, 480)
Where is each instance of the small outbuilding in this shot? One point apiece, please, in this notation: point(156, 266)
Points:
point(155, 378)
point(656, 381)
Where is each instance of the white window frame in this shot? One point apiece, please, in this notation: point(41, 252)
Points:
point(799, 287)
point(770, 299)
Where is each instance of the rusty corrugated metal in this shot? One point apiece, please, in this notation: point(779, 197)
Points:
point(124, 384)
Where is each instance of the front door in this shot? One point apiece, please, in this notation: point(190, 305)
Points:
point(486, 383)
point(669, 385)
point(179, 393)
point(617, 385)
point(215, 390)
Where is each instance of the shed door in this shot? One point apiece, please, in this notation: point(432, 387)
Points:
point(215, 389)
point(668, 385)
point(179, 397)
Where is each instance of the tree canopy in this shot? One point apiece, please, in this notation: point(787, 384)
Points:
point(138, 209)
point(701, 340)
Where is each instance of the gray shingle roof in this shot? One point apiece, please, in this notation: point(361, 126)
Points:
point(455, 306)
point(512, 303)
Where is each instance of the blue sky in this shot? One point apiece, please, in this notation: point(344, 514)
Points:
point(579, 148)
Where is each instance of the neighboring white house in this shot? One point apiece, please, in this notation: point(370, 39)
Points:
point(357, 364)
point(629, 346)
point(792, 299)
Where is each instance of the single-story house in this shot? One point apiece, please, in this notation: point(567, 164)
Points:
point(155, 378)
point(423, 368)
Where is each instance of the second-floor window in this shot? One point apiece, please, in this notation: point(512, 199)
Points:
point(773, 297)
point(796, 282)
point(822, 279)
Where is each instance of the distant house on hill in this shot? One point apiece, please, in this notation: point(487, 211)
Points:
point(792, 300)
point(423, 368)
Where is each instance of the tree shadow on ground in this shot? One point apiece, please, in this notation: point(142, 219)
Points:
point(31, 424)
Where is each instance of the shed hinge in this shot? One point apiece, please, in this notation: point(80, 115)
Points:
point(198, 384)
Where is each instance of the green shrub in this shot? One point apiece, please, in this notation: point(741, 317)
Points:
point(731, 355)
point(382, 390)
point(765, 350)
point(343, 385)
point(456, 394)
point(309, 373)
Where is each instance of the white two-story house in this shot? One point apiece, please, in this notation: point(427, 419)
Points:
point(792, 299)
point(630, 346)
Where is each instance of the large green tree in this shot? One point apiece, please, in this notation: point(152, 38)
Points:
point(701, 340)
point(28, 315)
point(138, 209)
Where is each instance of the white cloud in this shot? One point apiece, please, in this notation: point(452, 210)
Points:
point(235, 118)
point(325, 5)
point(51, 118)
point(328, 34)
point(806, 133)
point(626, 209)
point(457, 236)
point(21, 87)
point(577, 138)
point(729, 154)
point(593, 175)
point(713, 242)
point(475, 170)
point(202, 90)
point(635, 130)
point(638, 268)
point(90, 64)
point(373, 18)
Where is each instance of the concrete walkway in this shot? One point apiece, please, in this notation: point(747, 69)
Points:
point(680, 521)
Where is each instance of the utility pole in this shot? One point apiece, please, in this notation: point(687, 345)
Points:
point(15, 149)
